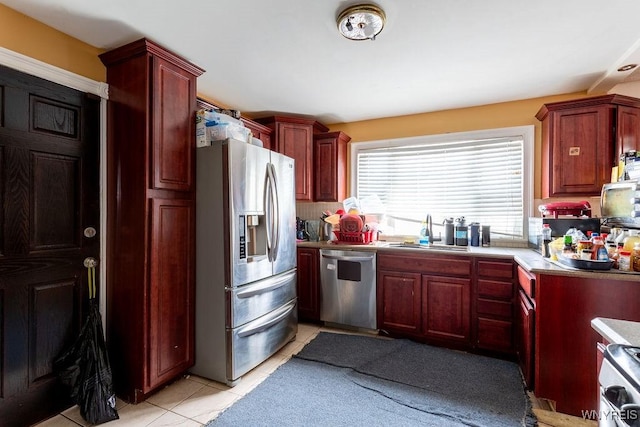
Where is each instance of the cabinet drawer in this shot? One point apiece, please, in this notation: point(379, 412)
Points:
point(495, 269)
point(527, 282)
point(494, 289)
point(495, 334)
point(495, 308)
point(442, 265)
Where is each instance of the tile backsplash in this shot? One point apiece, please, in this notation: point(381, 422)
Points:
point(313, 210)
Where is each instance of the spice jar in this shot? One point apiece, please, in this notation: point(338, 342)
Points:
point(624, 261)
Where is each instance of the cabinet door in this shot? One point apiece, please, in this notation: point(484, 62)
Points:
point(526, 324)
point(296, 141)
point(627, 130)
point(398, 301)
point(329, 158)
point(307, 286)
point(171, 293)
point(173, 147)
point(581, 151)
point(446, 311)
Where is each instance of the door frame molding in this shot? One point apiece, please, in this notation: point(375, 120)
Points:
point(37, 68)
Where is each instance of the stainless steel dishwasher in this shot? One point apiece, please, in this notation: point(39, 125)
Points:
point(348, 283)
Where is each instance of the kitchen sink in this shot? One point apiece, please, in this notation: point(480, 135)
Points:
point(435, 247)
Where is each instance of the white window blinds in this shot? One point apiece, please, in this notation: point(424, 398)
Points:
point(480, 179)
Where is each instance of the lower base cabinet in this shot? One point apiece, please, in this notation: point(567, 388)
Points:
point(399, 304)
point(446, 308)
point(308, 284)
point(420, 297)
point(494, 305)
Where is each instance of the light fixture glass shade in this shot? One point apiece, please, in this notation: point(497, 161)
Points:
point(361, 22)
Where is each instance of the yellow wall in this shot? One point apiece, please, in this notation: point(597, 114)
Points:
point(24, 35)
point(51, 46)
point(506, 114)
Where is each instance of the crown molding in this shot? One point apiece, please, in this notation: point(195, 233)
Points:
point(37, 68)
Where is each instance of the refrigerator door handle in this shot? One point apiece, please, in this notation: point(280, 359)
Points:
point(266, 287)
point(276, 216)
point(268, 212)
point(270, 320)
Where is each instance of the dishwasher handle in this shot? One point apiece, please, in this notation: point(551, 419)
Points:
point(348, 258)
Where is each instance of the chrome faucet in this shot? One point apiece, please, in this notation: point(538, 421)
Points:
point(432, 238)
point(429, 221)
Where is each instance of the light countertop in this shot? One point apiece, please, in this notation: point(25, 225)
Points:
point(617, 331)
point(527, 258)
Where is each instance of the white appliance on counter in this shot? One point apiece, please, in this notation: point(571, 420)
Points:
point(245, 258)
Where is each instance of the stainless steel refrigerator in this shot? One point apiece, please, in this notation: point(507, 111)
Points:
point(245, 258)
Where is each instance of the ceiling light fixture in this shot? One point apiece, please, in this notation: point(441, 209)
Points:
point(361, 22)
point(627, 67)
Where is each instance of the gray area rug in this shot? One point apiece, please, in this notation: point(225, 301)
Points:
point(348, 380)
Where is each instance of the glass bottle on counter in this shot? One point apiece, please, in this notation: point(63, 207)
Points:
point(635, 257)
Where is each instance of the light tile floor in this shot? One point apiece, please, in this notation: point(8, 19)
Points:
point(193, 401)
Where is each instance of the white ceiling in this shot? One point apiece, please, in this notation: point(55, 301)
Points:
point(286, 56)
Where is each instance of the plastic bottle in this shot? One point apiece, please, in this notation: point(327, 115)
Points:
point(424, 234)
point(631, 239)
point(623, 234)
point(598, 248)
point(546, 239)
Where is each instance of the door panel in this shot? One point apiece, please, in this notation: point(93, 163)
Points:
point(49, 168)
point(171, 327)
point(55, 202)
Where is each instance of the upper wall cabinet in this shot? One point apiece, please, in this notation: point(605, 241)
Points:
point(581, 141)
point(293, 137)
point(330, 166)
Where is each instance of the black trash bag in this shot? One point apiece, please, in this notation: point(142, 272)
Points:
point(85, 369)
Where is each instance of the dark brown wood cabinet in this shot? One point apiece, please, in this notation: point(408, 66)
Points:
point(151, 216)
point(308, 284)
point(565, 366)
point(427, 297)
point(494, 300)
point(399, 305)
point(259, 131)
point(293, 137)
point(525, 335)
point(446, 311)
point(330, 166)
point(581, 141)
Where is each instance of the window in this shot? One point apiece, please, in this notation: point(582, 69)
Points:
point(485, 176)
